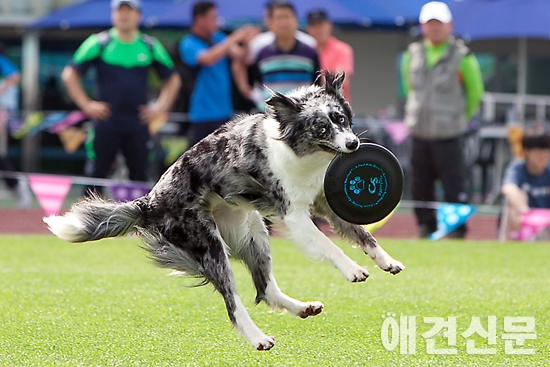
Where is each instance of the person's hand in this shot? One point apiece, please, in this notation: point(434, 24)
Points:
point(244, 34)
point(148, 114)
point(99, 111)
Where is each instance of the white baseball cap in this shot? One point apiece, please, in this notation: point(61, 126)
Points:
point(435, 10)
point(134, 4)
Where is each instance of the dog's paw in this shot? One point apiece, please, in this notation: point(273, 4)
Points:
point(356, 275)
point(312, 309)
point(393, 267)
point(263, 342)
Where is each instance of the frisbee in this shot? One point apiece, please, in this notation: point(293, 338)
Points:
point(364, 186)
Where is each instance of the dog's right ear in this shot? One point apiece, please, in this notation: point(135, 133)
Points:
point(281, 104)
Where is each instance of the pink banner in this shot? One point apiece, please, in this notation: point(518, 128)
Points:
point(73, 118)
point(50, 191)
point(397, 130)
point(533, 222)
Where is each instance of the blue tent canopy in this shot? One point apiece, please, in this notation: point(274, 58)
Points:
point(397, 14)
point(491, 19)
point(96, 14)
point(233, 13)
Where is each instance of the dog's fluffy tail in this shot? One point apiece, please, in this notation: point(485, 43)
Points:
point(95, 218)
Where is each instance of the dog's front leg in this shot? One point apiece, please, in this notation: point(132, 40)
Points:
point(359, 235)
point(370, 246)
point(303, 232)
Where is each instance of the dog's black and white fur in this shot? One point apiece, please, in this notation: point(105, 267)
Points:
point(209, 205)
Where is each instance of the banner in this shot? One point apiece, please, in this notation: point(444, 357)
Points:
point(129, 191)
point(73, 118)
point(449, 217)
point(532, 223)
point(50, 191)
point(397, 130)
point(72, 138)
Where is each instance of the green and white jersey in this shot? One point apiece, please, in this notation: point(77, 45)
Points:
point(122, 69)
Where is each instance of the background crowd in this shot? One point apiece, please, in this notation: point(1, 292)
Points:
point(218, 74)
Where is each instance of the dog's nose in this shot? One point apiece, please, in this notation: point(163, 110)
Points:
point(352, 144)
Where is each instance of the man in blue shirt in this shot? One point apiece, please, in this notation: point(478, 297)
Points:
point(526, 183)
point(207, 51)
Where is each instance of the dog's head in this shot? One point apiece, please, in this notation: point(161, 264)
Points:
point(315, 118)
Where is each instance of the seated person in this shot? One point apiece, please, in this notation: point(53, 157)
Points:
point(526, 183)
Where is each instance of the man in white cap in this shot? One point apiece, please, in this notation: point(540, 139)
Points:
point(444, 87)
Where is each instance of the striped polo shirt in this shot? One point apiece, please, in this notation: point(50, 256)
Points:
point(284, 71)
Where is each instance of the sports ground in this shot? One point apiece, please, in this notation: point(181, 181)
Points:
point(458, 303)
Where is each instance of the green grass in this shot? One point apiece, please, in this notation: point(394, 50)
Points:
point(104, 304)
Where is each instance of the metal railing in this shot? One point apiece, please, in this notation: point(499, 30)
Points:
point(517, 103)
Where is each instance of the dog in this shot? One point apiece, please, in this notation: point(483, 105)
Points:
point(213, 202)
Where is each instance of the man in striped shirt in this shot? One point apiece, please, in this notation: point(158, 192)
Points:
point(286, 63)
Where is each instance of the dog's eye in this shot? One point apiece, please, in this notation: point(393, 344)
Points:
point(322, 131)
point(341, 119)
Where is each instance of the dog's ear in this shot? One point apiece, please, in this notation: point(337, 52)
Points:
point(334, 81)
point(320, 78)
point(283, 109)
point(281, 104)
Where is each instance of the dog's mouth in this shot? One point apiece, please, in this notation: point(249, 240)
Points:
point(329, 148)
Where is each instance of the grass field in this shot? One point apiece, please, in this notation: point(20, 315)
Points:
point(104, 304)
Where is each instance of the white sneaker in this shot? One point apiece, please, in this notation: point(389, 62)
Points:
point(23, 194)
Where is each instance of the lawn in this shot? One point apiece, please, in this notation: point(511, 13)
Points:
point(105, 304)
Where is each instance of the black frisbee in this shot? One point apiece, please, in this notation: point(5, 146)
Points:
point(364, 186)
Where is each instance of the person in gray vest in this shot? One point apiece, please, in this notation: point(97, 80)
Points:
point(444, 87)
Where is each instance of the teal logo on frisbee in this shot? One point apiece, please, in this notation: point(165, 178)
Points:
point(365, 185)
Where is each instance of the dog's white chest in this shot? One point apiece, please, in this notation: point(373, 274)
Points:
point(301, 177)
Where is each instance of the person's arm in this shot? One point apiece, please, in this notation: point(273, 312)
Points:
point(516, 197)
point(405, 68)
point(82, 59)
point(215, 53)
point(239, 71)
point(473, 83)
point(97, 110)
point(171, 84)
point(168, 93)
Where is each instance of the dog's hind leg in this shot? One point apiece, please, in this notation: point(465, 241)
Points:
point(217, 270)
point(255, 251)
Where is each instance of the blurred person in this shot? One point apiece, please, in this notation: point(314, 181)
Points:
point(286, 63)
point(334, 55)
point(9, 105)
point(526, 182)
point(208, 52)
point(444, 87)
point(121, 113)
point(263, 39)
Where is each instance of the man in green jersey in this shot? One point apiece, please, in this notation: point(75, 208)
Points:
point(122, 57)
point(444, 85)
